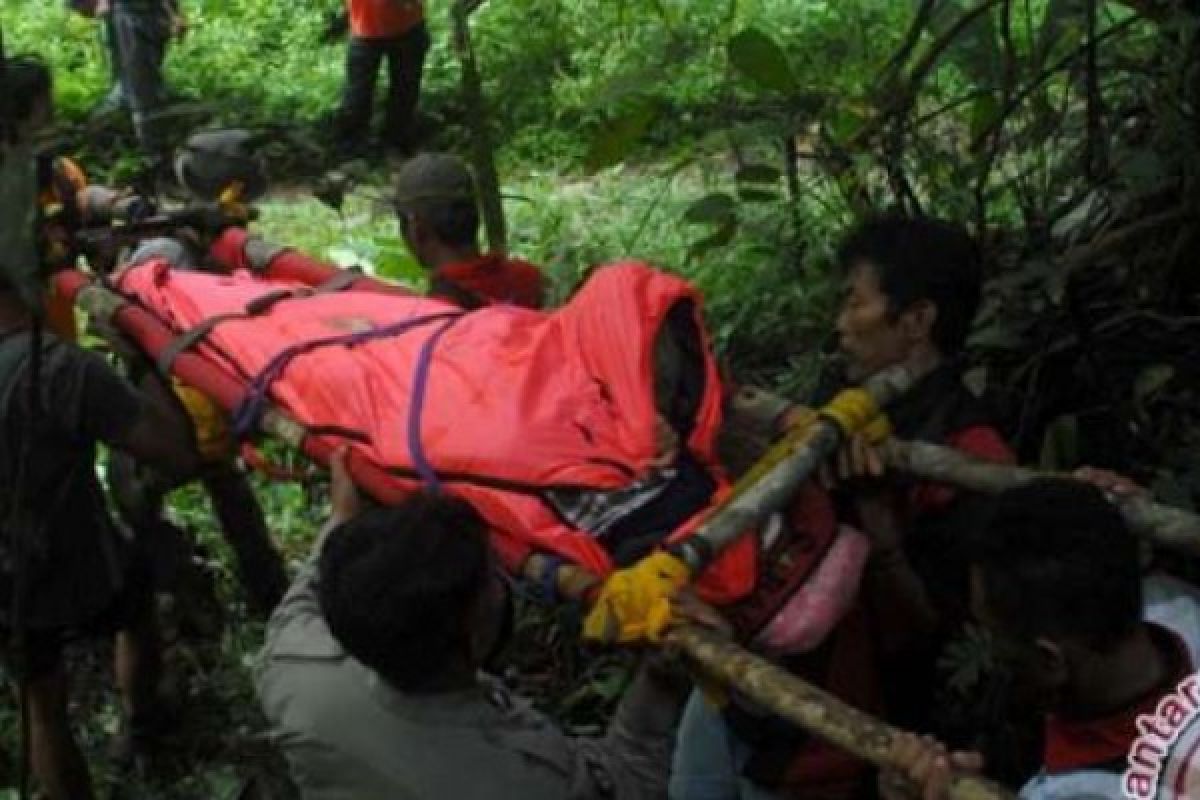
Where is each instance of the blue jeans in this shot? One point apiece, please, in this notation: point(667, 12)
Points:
point(709, 758)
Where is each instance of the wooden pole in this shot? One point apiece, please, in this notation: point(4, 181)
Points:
point(808, 707)
point(483, 155)
point(768, 485)
point(1163, 525)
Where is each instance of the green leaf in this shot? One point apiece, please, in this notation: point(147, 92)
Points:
point(758, 173)
point(847, 122)
point(984, 112)
point(747, 195)
point(1060, 445)
point(976, 48)
point(1150, 380)
point(722, 237)
point(618, 137)
point(756, 56)
point(1055, 23)
point(715, 208)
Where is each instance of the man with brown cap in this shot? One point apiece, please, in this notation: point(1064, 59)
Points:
point(439, 217)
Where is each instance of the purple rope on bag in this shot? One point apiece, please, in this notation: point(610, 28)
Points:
point(416, 407)
point(250, 409)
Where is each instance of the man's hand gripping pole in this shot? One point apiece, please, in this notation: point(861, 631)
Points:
point(633, 603)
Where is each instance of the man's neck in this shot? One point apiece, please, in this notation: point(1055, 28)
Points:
point(923, 360)
point(1106, 683)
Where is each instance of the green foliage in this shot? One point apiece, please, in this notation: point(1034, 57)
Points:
point(755, 55)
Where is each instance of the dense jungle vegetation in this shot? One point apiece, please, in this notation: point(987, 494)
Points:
point(733, 141)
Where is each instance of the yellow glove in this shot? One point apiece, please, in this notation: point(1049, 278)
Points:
point(634, 603)
point(854, 411)
point(214, 439)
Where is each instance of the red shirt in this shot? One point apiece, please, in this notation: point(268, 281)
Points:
point(379, 19)
point(1073, 744)
point(489, 279)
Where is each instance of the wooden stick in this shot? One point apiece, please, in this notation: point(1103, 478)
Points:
point(482, 152)
point(768, 485)
point(808, 707)
point(1162, 525)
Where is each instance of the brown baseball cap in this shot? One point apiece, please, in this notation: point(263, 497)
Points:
point(431, 180)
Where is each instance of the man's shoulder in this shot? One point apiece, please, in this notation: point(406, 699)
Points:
point(57, 354)
point(1175, 605)
point(300, 653)
point(1083, 784)
point(522, 267)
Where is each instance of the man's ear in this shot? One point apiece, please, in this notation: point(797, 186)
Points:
point(918, 319)
point(413, 229)
point(1052, 662)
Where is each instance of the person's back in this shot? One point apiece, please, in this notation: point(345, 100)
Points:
point(75, 533)
point(79, 577)
point(412, 591)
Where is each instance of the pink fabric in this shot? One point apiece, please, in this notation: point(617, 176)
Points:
point(813, 611)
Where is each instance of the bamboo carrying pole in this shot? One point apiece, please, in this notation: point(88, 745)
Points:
point(1162, 525)
point(766, 487)
point(808, 707)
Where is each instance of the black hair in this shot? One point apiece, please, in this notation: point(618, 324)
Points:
point(455, 222)
point(29, 80)
point(1057, 559)
point(396, 586)
point(921, 258)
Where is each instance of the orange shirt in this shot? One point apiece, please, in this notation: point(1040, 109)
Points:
point(377, 19)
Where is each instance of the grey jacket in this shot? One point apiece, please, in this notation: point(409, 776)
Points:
point(348, 734)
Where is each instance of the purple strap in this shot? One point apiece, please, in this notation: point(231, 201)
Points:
point(416, 406)
point(250, 409)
